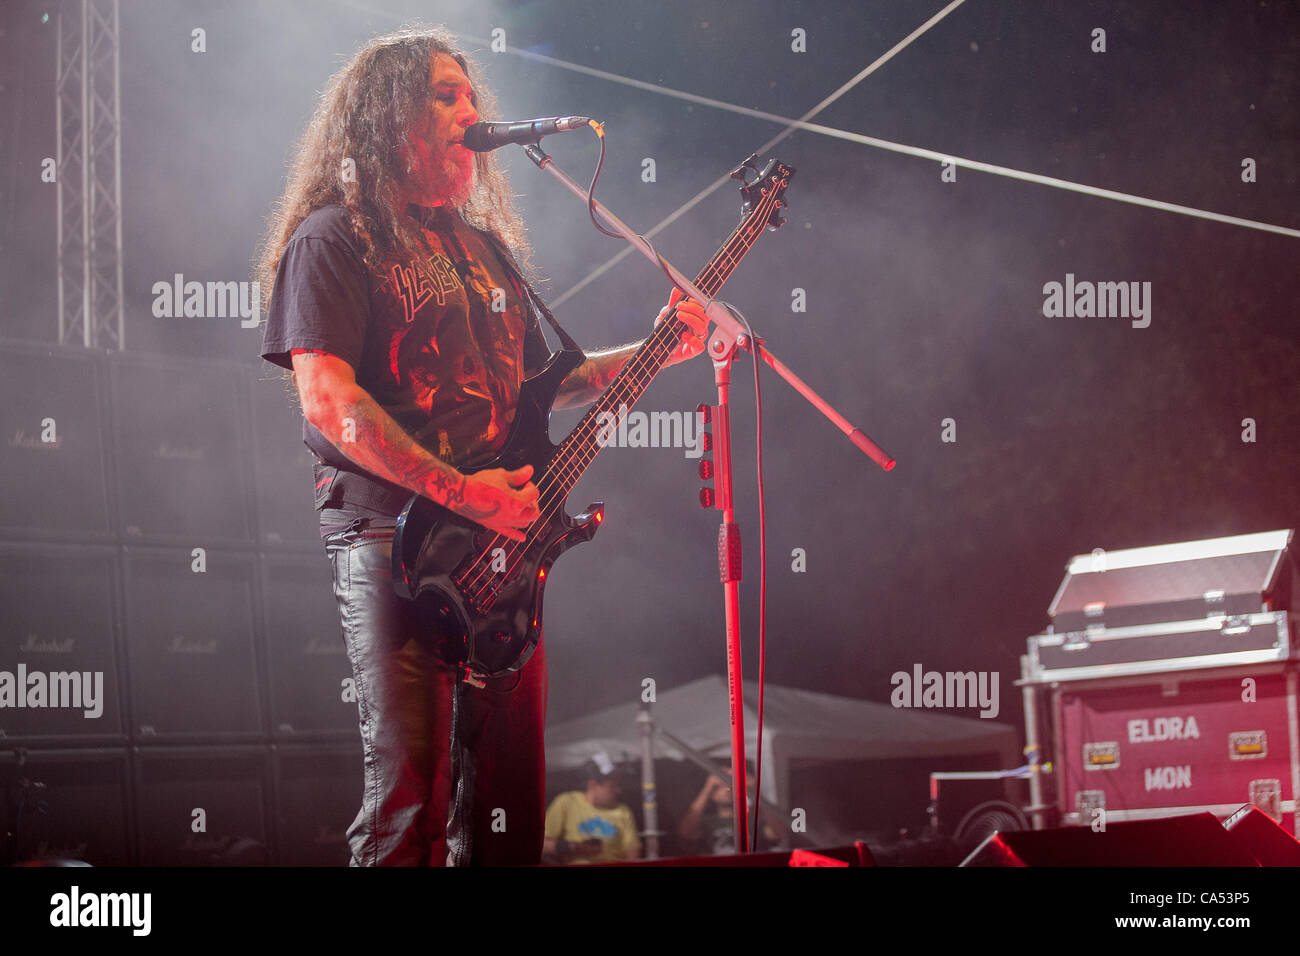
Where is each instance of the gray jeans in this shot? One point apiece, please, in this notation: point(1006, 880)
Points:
point(454, 773)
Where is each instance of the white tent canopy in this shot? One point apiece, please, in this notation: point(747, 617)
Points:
point(797, 725)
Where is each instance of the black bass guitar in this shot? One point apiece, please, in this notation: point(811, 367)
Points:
point(482, 592)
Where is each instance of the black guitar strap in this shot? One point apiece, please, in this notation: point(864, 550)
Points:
point(538, 306)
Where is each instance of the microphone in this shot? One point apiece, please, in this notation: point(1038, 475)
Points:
point(485, 137)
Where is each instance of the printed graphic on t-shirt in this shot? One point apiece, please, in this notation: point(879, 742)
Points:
point(597, 827)
point(458, 361)
point(417, 286)
point(719, 835)
point(440, 341)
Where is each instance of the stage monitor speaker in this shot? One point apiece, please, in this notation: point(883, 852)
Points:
point(1262, 837)
point(854, 855)
point(1195, 840)
point(61, 644)
point(53, 456)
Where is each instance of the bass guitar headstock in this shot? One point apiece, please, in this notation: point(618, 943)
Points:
point(766, 185)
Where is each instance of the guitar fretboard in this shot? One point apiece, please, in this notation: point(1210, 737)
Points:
point(576, 453)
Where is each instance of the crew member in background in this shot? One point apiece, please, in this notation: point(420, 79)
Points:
point(592, 826)
point(709, 826)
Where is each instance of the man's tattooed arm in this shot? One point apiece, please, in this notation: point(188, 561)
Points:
point(353, 422)
point(382, 447)
point(586, 382)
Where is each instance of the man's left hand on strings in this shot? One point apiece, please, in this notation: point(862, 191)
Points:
point(692, 315)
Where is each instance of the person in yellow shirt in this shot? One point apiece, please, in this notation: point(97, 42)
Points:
point(591, 826)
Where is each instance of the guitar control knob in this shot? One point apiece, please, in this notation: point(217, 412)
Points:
point(706, 497)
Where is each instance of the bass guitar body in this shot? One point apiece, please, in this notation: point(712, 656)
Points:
point(479, 593)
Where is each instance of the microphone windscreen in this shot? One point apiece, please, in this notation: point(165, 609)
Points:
point(476, 138)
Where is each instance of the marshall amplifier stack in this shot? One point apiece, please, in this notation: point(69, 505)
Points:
point(1167, 683)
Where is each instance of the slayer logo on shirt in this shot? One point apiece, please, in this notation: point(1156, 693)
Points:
point(416, 284)
point(453, 357)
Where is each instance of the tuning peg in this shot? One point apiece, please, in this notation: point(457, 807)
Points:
point(706, 497)
point(740, 172)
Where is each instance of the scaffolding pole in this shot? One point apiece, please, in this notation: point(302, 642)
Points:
point(88, 120)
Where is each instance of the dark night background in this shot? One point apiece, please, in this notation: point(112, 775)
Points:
point(924, 298)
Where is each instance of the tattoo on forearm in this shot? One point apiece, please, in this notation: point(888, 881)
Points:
point(586, 382)
point(445, 489)
point(383, 447)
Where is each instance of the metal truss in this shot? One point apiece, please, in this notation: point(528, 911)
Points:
point(89, 168)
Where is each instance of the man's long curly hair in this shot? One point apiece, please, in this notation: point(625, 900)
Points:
point(365, 115)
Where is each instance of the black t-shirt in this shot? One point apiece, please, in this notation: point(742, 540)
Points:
point(441, 343)
point(718, 834)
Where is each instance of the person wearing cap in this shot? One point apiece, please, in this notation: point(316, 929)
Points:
point(592, 826)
